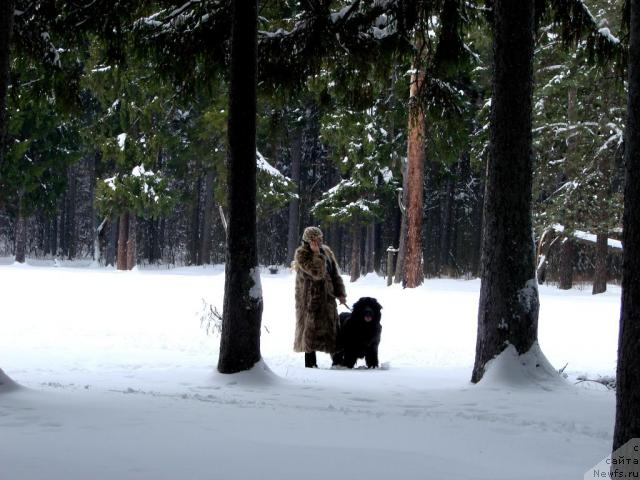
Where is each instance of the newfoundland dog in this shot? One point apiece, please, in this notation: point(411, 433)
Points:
point(359, 334)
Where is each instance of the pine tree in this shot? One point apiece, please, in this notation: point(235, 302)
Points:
point(508, 308)
point(242, 316)
point(627, 423)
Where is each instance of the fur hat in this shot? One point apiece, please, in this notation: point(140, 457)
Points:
point(311, 233)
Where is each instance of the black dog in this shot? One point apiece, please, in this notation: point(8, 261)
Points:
point(359, 334)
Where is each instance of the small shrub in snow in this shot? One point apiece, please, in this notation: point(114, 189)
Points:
point(210, 318)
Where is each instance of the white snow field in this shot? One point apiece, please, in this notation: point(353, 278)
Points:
point(118, 381)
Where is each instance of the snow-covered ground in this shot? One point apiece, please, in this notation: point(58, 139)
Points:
point(119, 382)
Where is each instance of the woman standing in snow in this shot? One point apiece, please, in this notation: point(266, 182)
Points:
point(318, 284)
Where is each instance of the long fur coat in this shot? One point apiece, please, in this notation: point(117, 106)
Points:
point(318, 284)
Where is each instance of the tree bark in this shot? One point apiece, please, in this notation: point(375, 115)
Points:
point(112, 241)
point(600, 274)
point(355, 253)
point(123, 237)
point(402, 241)
point(293, 235)
point(21, 235)
point(242, 316)
point(413, 273)
point(207, 219)
point(132, 247)
point(6, 31)
point(446, 239)
point(566, 264)
point(194, 226)
point(508, 307)
point(627, 423)
point(370, 248)
point(70, 212)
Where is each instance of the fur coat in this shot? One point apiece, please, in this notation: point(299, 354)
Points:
point(318, 284)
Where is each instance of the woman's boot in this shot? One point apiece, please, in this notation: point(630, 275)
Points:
point(310, 360)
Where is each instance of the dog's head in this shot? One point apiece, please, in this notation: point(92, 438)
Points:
point(367, 309)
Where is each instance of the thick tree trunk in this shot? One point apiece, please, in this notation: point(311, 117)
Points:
point(413, 273)
point(6, 30)
point(293, 235)
point(132, 247)
point(123, 237)
point(508, 308)
point(242, 316)
point(402, 242)
point(21, 235)
point(566, 264)
point(356, 239)
point(600, 274)
point(207, 218)
point(627, 424)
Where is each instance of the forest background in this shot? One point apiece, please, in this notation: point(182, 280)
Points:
point(110, 161)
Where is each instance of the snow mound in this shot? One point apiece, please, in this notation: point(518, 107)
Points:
point(6, 384)
point(531, 369)
point(259, 375)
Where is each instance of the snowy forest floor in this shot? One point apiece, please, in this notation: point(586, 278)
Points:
point(119, 382)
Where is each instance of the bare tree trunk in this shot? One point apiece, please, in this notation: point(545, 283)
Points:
point(242, 315)
point(21, 235)
point(194, 226)
point(132, 248)
point(6, 31)
point(627, 423)
point(402, 243)
point(544, 246)
point(293, 236)
point(97, 252)
point(390, 254)
point(600, 274)
point(112, 241)
point(413, 273)
point(566, 264)
point(509, 304)
point(370, 248)
point(355, 253)
point(70, 211)
point(123, 237)
point(446, 262)
point(207, 218)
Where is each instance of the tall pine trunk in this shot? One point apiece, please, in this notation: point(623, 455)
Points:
point(112, 242)
point(6, 30)
point(402, 241)
point(508, 308)
point(242, 316)
point(21, 235)
point(132, 247)
point(566, 264)
point(355, 252)
point(600, 274)
point(207, 218)
point(370, 248)
point(627, 424)
point(293, 235)
point(413, 273)
point(123, 238)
